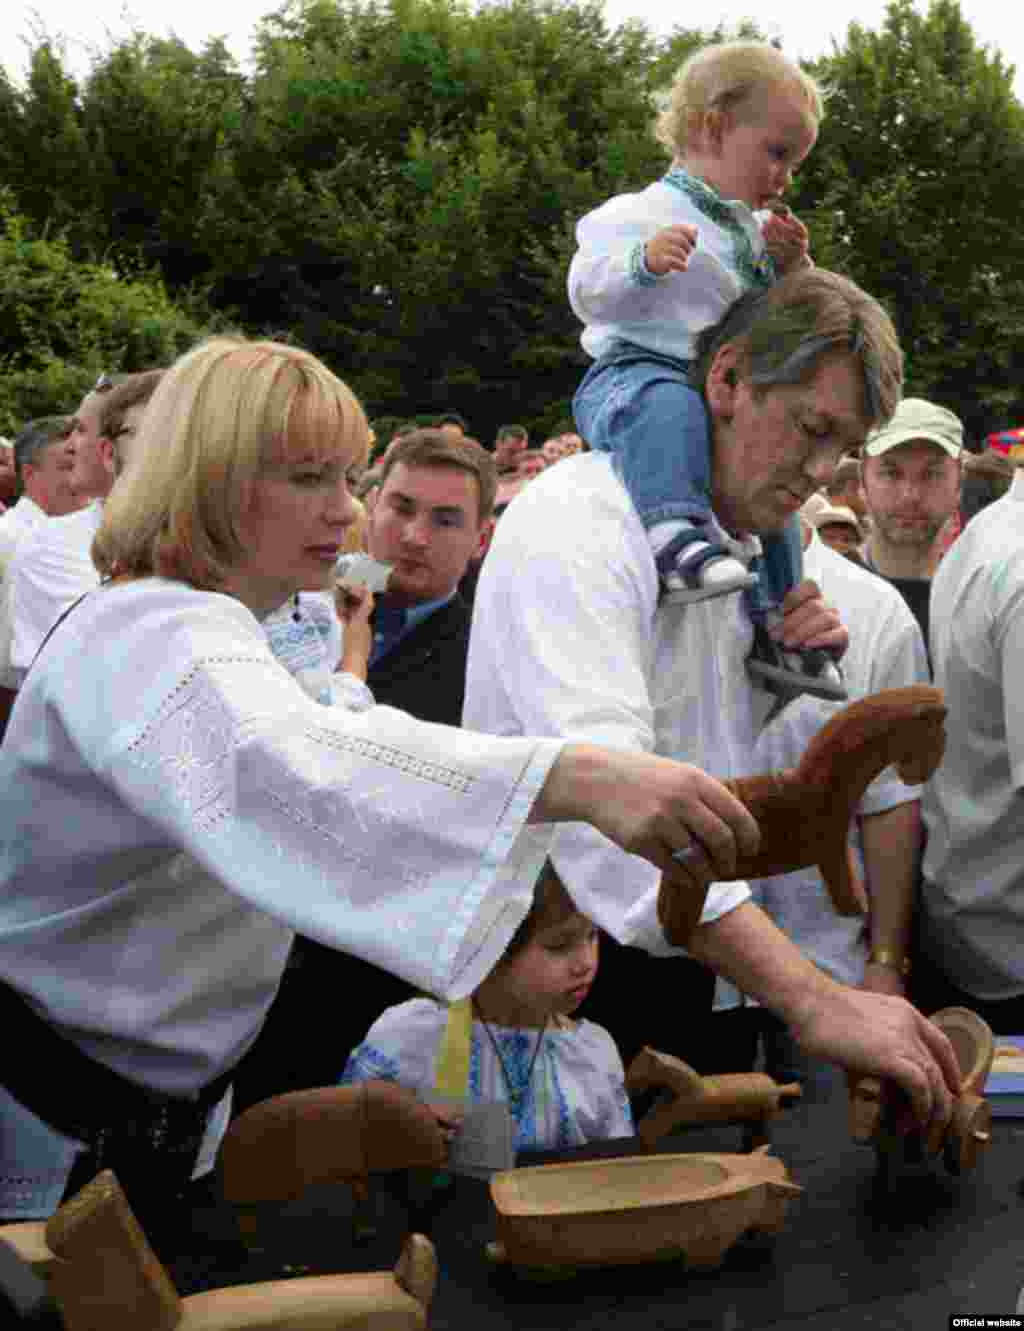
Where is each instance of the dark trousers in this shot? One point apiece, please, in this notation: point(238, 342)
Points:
point(326, 1002)
point(931, 989)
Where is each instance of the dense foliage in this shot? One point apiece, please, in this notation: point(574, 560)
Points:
point(64, 321)
point(394, 185)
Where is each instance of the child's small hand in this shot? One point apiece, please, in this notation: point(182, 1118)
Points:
point(669, 251)
point(449, 1119)
point(786, 239)
point(354, 604)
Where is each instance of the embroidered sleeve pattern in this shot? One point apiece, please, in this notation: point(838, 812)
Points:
point(311, 797)
point(196, 735)
point(353, 828)
point(367, 1063)
point(637, 268)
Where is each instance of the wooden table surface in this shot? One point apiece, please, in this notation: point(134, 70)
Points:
point(932, 1247)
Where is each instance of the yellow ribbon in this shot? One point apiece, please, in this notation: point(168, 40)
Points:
point(451, 1070)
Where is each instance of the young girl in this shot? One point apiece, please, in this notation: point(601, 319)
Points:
point(562, 1081)
point(656, 268)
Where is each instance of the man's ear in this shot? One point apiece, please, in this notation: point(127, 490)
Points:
point(722, 381)
point(716, 122)
point(486, 532)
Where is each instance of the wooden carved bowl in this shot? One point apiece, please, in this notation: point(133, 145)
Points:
point(555, 1219)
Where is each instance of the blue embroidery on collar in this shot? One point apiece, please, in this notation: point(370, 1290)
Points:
point(752, 272)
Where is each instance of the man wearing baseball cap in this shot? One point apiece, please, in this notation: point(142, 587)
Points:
point(911, 475)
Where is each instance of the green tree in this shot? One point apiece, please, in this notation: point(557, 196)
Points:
point(156, 115)
point(64, 321)
point(44, 153)
point(912, 191)
point(401, 177)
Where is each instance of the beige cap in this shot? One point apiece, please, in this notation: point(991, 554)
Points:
point(814, 505)
point(916, 419)
point(839, 513)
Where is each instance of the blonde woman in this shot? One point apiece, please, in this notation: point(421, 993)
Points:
point(173, 805)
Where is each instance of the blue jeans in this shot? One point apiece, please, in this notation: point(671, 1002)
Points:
point(641, 409)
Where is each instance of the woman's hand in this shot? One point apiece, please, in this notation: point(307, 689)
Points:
point(354, 604)
point(652, 807)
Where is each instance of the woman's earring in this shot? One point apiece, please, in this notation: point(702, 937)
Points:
point(295, 613)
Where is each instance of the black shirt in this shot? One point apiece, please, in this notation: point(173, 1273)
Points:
point(916, 592)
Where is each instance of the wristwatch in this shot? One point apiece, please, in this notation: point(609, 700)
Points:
point(888, 956)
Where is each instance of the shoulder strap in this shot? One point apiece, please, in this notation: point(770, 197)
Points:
point(451, 1070)
point(56, 625)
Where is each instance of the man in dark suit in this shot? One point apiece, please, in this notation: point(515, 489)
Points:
point(432, 517)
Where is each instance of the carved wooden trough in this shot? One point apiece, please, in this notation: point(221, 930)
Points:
point(557, 1219)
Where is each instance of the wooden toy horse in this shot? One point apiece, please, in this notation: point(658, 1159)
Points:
point(804, 813)
point(748, 1097)
point(105, 1277)
point(966, 1135)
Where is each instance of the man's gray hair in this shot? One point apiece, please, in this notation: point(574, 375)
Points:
point(785, 332)
point(36, 436)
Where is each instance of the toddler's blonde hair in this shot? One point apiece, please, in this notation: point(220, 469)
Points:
point(721, 77)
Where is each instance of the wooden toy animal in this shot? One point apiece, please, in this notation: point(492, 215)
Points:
point(749, 1097)
point(872, 1118)
point(278, 1148)
point(804, 813)
point(333, 1134)
point(104, 1276)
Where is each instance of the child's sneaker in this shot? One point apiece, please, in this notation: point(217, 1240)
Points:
point(705, 571)
point(692, 569)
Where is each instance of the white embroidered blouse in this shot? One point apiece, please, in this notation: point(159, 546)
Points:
point(173, 806)
point(574, 1092)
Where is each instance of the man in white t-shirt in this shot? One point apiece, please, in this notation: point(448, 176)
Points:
point(972, 896)
point(43, 462)
point(886, 652)
point(54, 567)
point(570, 637)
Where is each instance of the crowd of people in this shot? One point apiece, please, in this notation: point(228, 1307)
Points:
point(263, 830)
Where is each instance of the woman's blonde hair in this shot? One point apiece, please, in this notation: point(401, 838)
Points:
point(220, 414)
point(721, 77)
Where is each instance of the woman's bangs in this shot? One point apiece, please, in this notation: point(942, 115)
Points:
point(322, 426)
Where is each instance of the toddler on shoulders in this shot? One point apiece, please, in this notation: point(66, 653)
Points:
point(654, 269)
